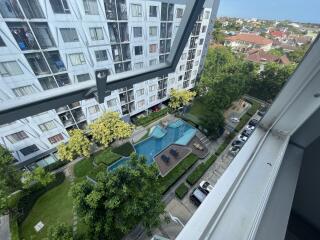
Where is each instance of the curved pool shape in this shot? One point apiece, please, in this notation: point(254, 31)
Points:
point(178, 132)
point(158, 132)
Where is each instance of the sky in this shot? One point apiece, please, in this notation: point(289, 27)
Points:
point(294, 10)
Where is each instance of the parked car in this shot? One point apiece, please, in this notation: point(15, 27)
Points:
point(242, 138)
point(234, 120)
point(246, 133)
point(262, 111)
point(234, 150)
point(237, 143)
point(198, 195)
point(206, 186)
point(253, 122)
point(250, 127)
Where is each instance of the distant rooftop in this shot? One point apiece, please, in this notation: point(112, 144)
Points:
point(251, 38)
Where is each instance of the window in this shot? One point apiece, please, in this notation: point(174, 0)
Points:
point(16, 137)
point(153, 31)
point(201, 41)
point(182, 67)
point(62, 79)
point(138, 65)
point(206, 14)
point(184, 56)
point(152, 87)
point(152, 48)
point(136, 10)
point(180, 78)
point(153, 62)
point(96, 33)
point(94, 109)
point(32, 9)
point(198, 53)
point(137, 32)
point(83, 77)
point(69, 34)
point(138, 50)
point(56, 138)
point(77, 59)
point(111, 103)
point(2, 44)
point(153, 11)
point(37, 63)
point(10, 68)
point(90, 7)
point(204, 28)
point(47, 83)
point(28, 150)
point(23, 91)
point(60, 6)
point(47, 126)
point(10, 9)
point(152, 98)
point(179, 13)
point(140, 103)
point(196, 63)
point(140, 92)
point(101, 55)
point(55, 62)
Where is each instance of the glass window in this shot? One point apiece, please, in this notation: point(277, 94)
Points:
point(43, 34)
point(77, 59)
point(37, 63)
point(101, 55)
point(201, 41)
point(140, 92)
point(10, 9)
point(56, 138)
point(30, 149)
point(163, 30)
point(47, 126)
point(122, 9)
point(110, 7)
point(83, 77)
point(55, 62)
point(90, 7)
point(170, 11)
point(204, 28)
point(112, 103)
point(96, 33)
point(152, 87)
point(114, 32)
point(60, 6)
point(138, 50)
point(136, 10)
point(153, 11)
point(137, 32)
point(23, 35)
point(206, 14)
point(125, 52)
point(10, 68)
point(153, 62)
point(140, 103)
point(164, 11)
point(2, 44)
point(23, 91)
point(138, 65)
point(16, 137)
point(124, 35)
point(152, 98)
point(47, 83)
point(179, 13)
point(62, 79)
point(69, 34)
point(32, 9)
point(152, 48)
point(116, 52)
point(153, 31)
point(94, 109)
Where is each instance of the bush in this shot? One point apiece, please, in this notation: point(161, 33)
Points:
point(174, 175)
point(255, 106)
point(181, 191)
point(200, 170)
point(56, 165)
point(125, 149)
point(28, 200)
point(243, 121)
point(144, 121)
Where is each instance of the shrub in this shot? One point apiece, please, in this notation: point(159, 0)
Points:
point(181, 191)
point(56, 165)
point(243, 121)
point(254, 108)
point(200, 170)
point(28, 200)
point(144, 121)
point(174, 175)
point(125, 149)
point(14, 229)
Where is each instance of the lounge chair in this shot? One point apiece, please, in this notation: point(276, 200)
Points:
point(165, 158)
point(174, 153)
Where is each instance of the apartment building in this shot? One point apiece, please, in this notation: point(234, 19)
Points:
point(49, 44)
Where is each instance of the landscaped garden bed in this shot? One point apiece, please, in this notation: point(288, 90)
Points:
point(144, 121)
point(181, 191)
point(125, 150)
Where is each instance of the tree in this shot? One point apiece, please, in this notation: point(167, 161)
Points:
point(78, 145)
point(60, 231)
point(277, 52)
point(37, 176)
point(297, 55)
point(180, 98)
point(213, 122)
point(9, 179)
point(120, 200)
point(109, 127)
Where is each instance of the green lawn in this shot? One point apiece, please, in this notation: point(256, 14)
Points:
point(106, 156)
point(125, 149)
point(52, 207)
point(197, 110)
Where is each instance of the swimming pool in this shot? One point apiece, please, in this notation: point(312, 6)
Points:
point(178, 132)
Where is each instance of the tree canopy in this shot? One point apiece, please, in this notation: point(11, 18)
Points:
point(119, 200)
point(180, 98)
point(37, 176)
point(60, 231)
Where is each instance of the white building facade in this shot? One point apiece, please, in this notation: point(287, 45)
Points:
point(46, 44)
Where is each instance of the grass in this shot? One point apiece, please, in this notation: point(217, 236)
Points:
point(181, 191)
point(83, 167)
point(200, 170)
point(106, 156)
point(243, 121)
point(197, 109)
point(175, 174)
point(52, 207)
point(255, 106)
point(14, 229)
point(125, 149)
point(225, 143)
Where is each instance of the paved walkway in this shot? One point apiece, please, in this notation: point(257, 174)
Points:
point(4, 228)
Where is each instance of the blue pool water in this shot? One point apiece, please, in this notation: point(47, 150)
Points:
point(177, 132)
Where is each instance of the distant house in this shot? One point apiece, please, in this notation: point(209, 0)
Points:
point(262, 57)
point(280, 35)
point(244, 42)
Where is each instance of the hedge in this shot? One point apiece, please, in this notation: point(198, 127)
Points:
point(174, 175)
point(144, 121)
point(28, 200)
point(200, 170)
point(225, 143)
point(56, 165)
point(181, 191)
point(125, 149)
point(254, 108)
point(14, 229)
point(243, 121)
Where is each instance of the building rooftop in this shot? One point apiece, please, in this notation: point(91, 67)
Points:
point(251, 38)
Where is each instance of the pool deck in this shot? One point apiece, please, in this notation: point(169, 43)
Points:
point(200, 153)
point(164, 167)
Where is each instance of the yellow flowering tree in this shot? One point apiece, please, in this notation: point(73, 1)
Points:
point(180, 98)
point(110, 127)
point(78, 145)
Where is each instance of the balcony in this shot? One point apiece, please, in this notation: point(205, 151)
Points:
point(32, 9)
point(78, 115)
point(74, 105)
point(10, 9)
point(67, 119)
point(23, 36)
point(55, 62)
point(37, 63)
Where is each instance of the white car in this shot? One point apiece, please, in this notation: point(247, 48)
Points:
point(234, 150)
point(242, 138)
point(234, 120)
point(249, 127)
point(206, 186)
